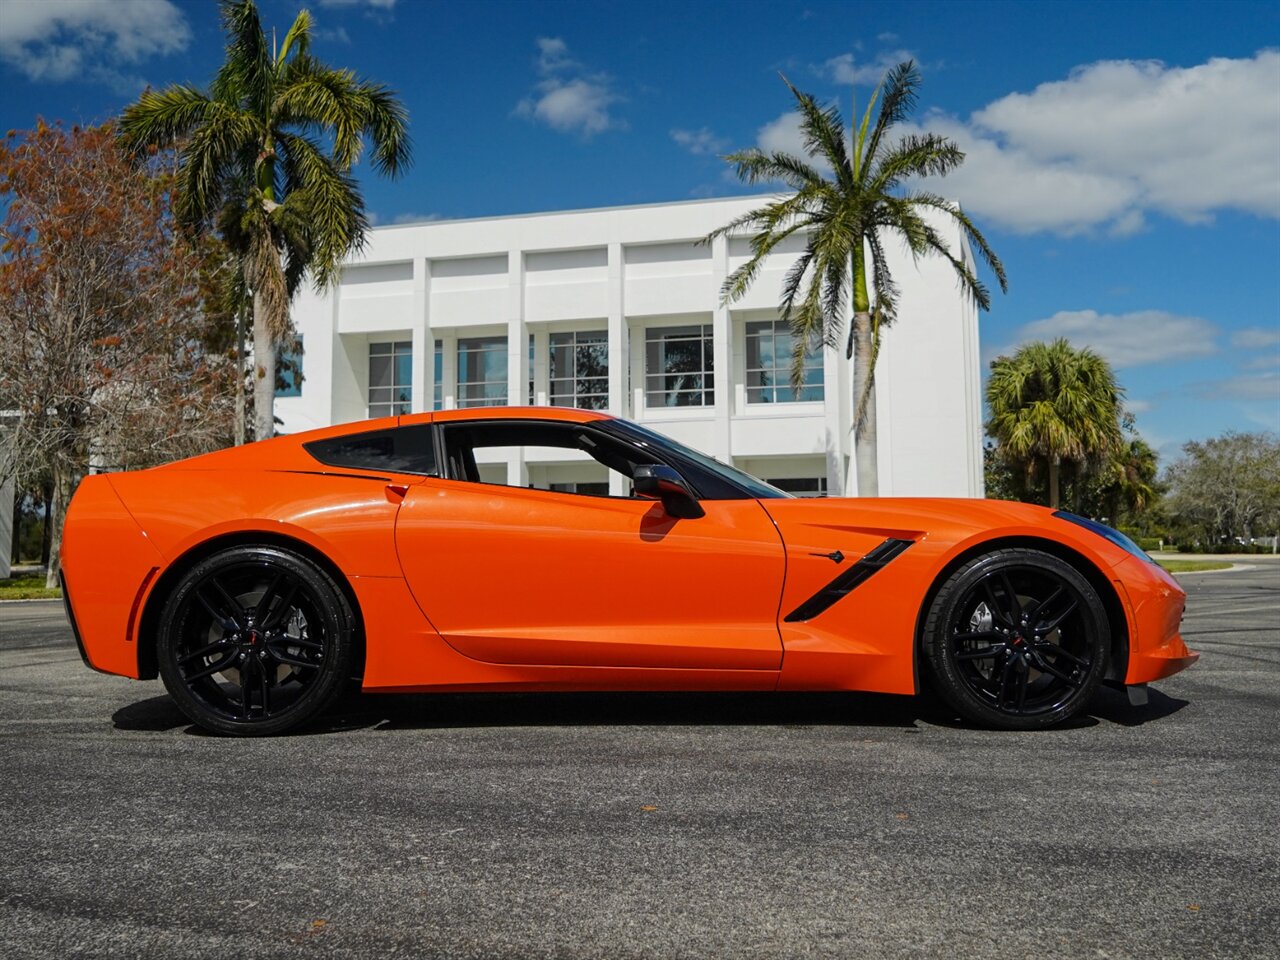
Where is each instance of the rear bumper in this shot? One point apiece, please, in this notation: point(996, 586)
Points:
point(107, 562)
point(71, 619)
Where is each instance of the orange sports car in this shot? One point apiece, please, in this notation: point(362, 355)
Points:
point(257, 581)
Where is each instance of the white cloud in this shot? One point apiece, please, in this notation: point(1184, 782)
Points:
point(1256, 337)
point(1260, 386)
point(1112, 143)
point(847, 69)
point(553, 54)
point(1128, 339)
point(1265, 361)
point(402, 218)
point(781, 135)
point(567, 98)
point(89, 40)
point(699, 142)
point(332, 34)
point(376, 4)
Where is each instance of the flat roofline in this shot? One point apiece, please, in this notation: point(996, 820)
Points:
point(577, 210)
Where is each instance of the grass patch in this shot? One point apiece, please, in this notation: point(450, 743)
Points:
point(1193, 566)
point(29, 587)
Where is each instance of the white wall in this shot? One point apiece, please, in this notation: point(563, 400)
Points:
point(625, 269)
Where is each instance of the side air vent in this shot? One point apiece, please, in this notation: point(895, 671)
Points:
point(846, 582)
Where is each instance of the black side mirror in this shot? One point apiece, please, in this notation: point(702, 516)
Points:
point(658, 480)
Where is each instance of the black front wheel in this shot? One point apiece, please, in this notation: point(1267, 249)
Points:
point(255, 640)
point(1017, 639)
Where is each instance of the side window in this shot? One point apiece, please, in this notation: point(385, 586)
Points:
point(397, 450)
point(561, 457)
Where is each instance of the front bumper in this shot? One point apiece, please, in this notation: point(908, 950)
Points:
point(1155, 604)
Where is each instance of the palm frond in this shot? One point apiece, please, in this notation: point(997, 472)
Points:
point(927, 155)
point(208, 160)
point(317, 187)
point(971, 231)
point(823, 134)
point(897, 100)
point(247, 73)
point(160, 118)
point(298, 39)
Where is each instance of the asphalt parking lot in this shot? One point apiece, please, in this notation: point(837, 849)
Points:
point(647, 826)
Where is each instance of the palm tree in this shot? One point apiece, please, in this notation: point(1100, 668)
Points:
point(849, 199)
point(252, 165)
point(1052, 404)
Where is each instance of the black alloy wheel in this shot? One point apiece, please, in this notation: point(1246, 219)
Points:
point(1017, 639)
point(255, 640)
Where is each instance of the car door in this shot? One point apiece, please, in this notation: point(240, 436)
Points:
point(528, 576)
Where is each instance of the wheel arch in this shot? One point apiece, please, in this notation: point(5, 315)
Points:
point(148, 665)
point(1111, 602)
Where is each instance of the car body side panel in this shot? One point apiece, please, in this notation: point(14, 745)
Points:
point(520, 576)
point(408, 655)
point(866, 641)
point(347, 516)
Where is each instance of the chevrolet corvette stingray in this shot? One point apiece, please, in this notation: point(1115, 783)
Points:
point(258, 581)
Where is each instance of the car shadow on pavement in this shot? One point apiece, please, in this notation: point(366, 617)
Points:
point(1113, 706)
point(359, 711)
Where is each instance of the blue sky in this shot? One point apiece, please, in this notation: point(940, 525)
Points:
point(1124, 157)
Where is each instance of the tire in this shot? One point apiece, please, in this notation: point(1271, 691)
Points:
point(255, 641)
point(1017, 640)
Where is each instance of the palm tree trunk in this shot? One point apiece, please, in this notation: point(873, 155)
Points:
point(1053, 482)
point(264, 373)
point(864, 401)
point(240, 398)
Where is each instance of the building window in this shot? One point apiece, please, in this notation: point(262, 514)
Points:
point(802, 486)
point(437, 399)
point(289, 370)
point(769, 346)
point(583, 489)
point(533, 400)
point(390, 378)
point(580, 370)
point(482, 372)
point(679, 367)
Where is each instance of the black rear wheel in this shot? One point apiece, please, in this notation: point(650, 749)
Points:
point(1017, 639)
point(255, 640)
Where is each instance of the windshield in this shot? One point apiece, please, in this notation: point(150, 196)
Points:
point(670, 449)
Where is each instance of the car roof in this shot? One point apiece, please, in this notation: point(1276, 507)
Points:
point(568, 414)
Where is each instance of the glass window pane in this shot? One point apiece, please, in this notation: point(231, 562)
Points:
point(379, 371)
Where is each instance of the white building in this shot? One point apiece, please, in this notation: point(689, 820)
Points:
point(618, 309)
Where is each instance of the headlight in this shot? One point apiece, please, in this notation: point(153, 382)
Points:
point(1108, 533)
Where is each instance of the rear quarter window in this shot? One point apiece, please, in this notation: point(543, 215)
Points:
point(396, 450)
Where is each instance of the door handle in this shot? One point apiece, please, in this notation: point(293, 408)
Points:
point(396, 491)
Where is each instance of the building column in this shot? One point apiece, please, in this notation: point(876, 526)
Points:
point(422, 388)
point(722, 330)
point(541, 366)
point(619, 341)
point(619, 352)
point(449, 369)
point(517, 356)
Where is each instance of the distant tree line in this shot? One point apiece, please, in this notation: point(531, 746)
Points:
point(1060, 436)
